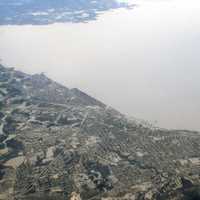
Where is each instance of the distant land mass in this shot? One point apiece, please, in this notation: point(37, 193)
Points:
point(41, 12)
point(58, 143)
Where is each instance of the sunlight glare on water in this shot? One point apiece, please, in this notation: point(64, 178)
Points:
point(144, 61)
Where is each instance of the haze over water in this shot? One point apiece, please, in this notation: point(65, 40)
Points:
point(144, 62)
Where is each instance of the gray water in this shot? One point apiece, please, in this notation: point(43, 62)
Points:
point(144, 62)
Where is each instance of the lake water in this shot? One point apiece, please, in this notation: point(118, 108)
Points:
point(144, 62)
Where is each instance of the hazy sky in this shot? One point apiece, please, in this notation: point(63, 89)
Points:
point(145, 62)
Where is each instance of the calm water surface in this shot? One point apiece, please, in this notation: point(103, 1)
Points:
point(145, 62)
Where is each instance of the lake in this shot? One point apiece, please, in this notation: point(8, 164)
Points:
point(143, 61)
